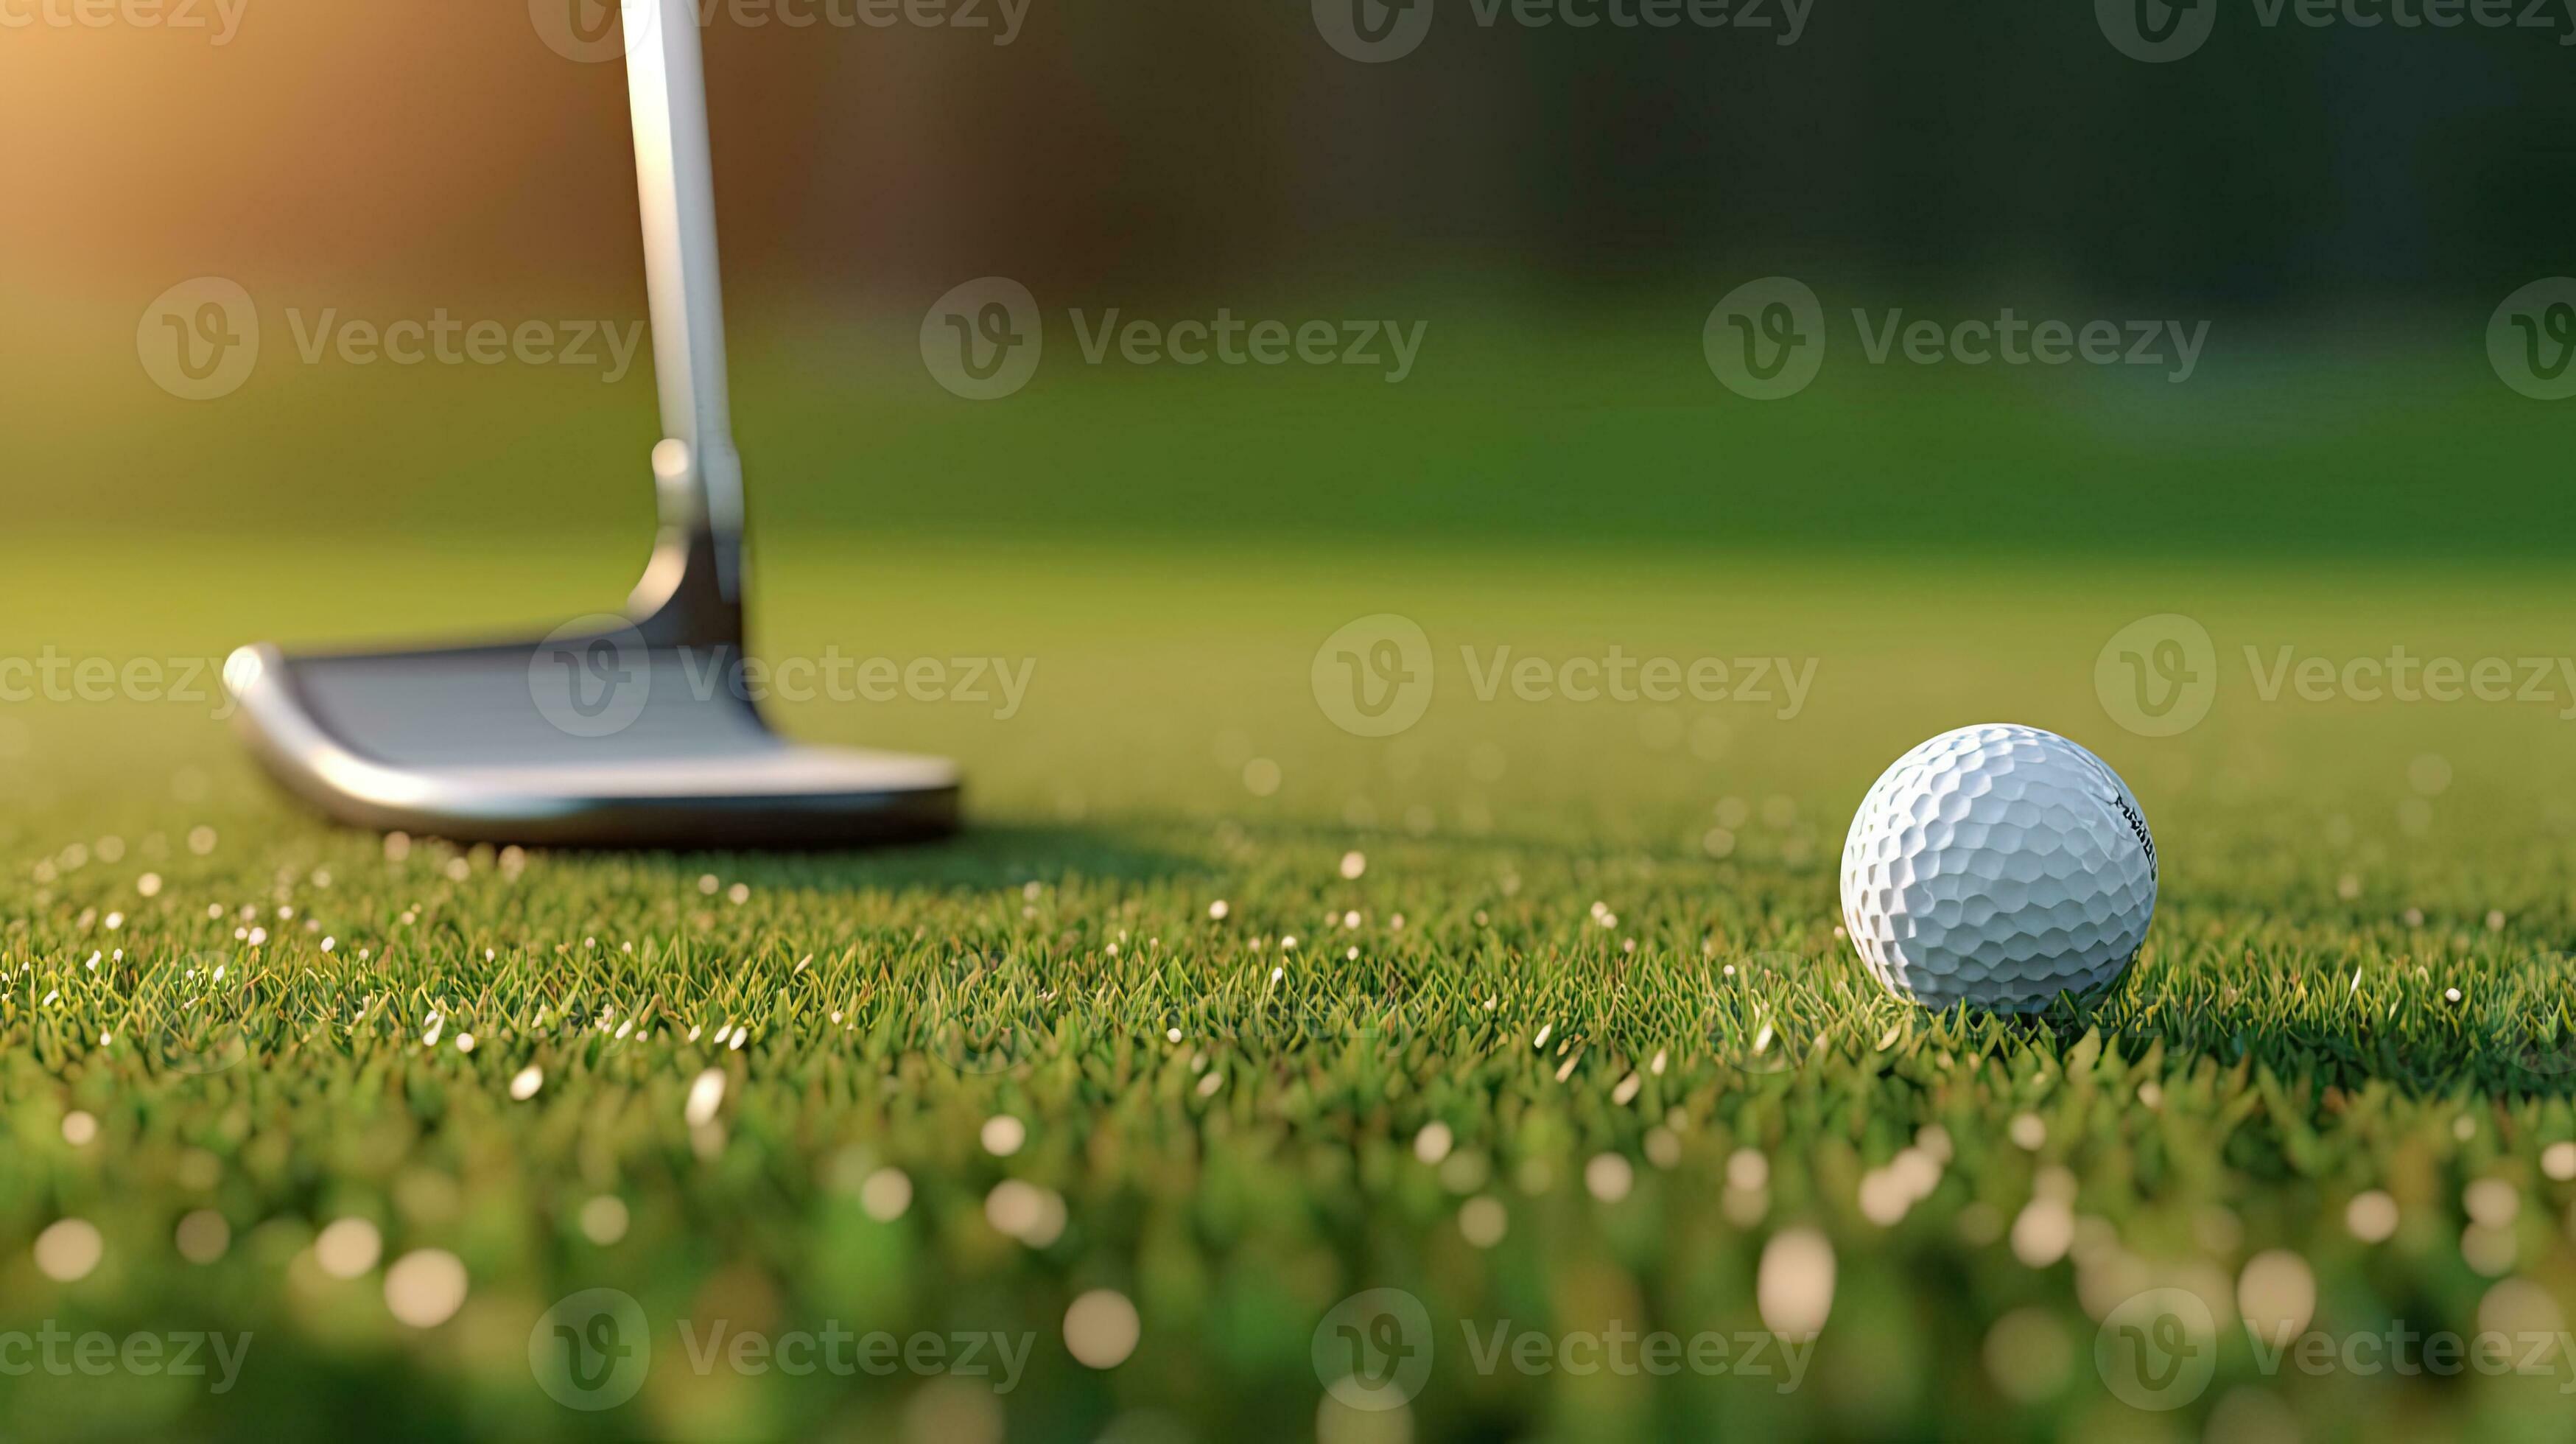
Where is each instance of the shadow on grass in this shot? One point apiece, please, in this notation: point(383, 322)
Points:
point(980, 859)
point(2518, 1043)
point(1139, 849)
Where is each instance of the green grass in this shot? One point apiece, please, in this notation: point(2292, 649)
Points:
point(1235, 1184)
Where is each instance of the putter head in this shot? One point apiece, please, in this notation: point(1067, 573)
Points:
point(592, 737)
point(629, 731)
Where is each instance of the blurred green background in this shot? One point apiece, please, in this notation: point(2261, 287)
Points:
point(2344, 208)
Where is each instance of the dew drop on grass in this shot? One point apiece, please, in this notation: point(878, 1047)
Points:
point(706, 1095)
point(68, 1249)
point(604, 1219)
point(1483, 1222)
point(1003, 1134)
point(886, 1194)
point(347, 1247)
point(2371, 1217)
point(425, 1288)
point(203, 1236)
point(1101, 1329)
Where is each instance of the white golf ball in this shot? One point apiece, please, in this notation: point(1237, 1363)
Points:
point(1998, 865)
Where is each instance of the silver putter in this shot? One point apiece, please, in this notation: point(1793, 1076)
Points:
point(632, 731)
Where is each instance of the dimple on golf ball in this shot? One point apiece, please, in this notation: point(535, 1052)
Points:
point(1998, 865)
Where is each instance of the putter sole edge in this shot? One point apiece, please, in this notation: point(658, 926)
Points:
point(780, 795)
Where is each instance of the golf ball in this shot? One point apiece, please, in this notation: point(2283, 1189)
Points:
point(1998, 865)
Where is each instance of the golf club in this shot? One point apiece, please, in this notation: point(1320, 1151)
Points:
point(611, 731)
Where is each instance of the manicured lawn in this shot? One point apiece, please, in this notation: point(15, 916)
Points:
point(1565, 1041)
